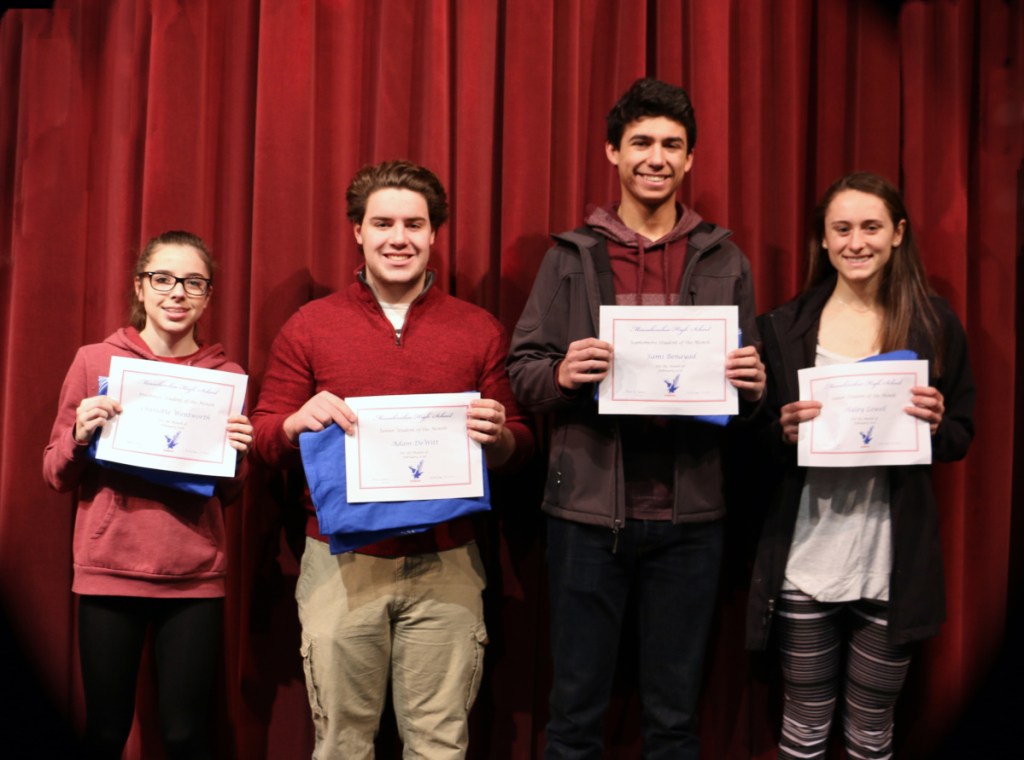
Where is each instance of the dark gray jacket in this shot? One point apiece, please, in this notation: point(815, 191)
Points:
point(917, 603)
point(584, 480)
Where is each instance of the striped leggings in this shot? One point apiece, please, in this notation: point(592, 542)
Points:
point(814, 639)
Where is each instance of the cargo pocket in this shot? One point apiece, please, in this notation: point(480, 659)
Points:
point(479, 640)
point(312, 692)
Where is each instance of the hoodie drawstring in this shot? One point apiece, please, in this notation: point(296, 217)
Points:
point(641, 269)
point(665, 264)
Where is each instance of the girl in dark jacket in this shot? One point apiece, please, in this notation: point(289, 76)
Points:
point(848, 568)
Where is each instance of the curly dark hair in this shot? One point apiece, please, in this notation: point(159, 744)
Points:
point(652, 97)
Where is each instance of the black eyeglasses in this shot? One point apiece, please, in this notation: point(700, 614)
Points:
point(162, 282)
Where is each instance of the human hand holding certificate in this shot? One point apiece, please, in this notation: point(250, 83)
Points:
point(173, 417)
point(412, 447)
point(668, 360)
point(862, 420)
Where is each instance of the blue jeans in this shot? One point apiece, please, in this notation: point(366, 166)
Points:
point(673, 572)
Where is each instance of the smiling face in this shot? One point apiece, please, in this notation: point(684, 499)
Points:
point(860, 236)
point(171, 316)
point(396, 236)
point(652, 159)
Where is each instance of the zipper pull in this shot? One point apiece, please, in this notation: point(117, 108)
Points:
point(615, 537)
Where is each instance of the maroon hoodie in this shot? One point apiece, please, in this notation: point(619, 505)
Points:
point(134, 538)
point(646, 273)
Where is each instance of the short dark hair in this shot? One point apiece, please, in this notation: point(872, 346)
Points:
point(652, 97)
point(137, 314)
point(403, 175)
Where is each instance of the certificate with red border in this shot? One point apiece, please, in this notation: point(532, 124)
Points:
point(173, 417)
point(668, 360)
point(412, 447)
point(863, 419)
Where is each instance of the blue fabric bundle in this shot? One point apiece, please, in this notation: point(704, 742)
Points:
point(201, 485)
point(893, 356)
point(350, 526)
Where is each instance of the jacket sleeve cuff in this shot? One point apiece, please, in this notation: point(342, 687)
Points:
point(749, 410)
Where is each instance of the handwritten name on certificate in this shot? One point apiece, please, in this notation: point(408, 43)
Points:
point(668, 360)
point(862, 420)
point(173, 417)
point(412, 447)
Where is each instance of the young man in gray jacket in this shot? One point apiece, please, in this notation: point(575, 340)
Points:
point(635, 503)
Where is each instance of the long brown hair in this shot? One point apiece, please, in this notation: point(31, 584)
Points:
point(910, 319)
point(137, 314)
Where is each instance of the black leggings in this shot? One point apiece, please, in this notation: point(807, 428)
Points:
point(186, 646)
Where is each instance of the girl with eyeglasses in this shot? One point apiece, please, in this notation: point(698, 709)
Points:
point(848, 572)
point(147, 555)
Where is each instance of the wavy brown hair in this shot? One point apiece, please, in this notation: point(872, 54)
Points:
point(400, 175)
point(137, 313)
point(910, 319)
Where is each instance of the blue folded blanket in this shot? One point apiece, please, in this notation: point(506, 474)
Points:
point(349, 526)
point(201, 485)
point(902, 354)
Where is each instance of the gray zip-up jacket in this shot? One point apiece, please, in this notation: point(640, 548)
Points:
point(585, 474)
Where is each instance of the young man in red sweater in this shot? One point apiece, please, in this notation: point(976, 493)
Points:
point(408, 608)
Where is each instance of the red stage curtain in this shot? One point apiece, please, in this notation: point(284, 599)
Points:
point(244, 122)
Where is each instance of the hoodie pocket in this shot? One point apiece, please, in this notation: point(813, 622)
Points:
point(138, 536)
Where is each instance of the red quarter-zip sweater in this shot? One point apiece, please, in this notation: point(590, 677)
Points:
point(345, 344)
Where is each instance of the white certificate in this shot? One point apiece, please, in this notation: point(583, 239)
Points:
point(862, 420)
point(173, 417)
point(668, 360)
point(412, 447)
